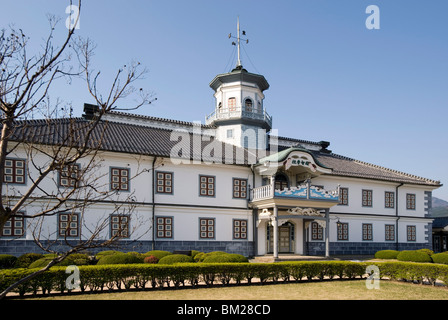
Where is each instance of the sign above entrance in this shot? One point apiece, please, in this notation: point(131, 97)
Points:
point(297, 160)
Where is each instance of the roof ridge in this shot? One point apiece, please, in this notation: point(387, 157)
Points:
point(413, 176)
point(398, 172)
point(141, 116)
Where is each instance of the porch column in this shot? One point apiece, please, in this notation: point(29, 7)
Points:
point(275, 229)
point(327, 233)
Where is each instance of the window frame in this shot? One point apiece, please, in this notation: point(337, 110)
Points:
point(207, 189)
point(120, 176)
point(389, 199)
point(368, 235)
point(14, 168)
point(411, 201)
point(240, 234)
point(128, 225)
point(388, 233)
point(70, 177)
point(368, 192)
point(231, 106)
point(69, 222)
point(343, 190)
point(207, 231)
point(340, 229)
point(411, 233)
point(317, 232)
point(13, 227)
point(164, 229)
point(240, 180)
point(164, 186)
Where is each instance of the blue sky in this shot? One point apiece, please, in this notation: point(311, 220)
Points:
point(379, 96)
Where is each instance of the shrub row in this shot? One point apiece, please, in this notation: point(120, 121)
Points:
point(421, 255)
point(413, 271)
point(140, 276)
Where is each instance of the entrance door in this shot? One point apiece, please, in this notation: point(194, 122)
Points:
point(285, 240)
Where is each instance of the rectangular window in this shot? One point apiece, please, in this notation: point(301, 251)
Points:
point(119, 226)
point(119, 179)
point(164, 227)
point(14, 171)
point(68, 225)
point(343, 231)
point(232, 104)
point(367, 198)
point(343, 196)
point(207, 228)
point(389, 198)
point(316, 231)
point(410, 201)
point(367, 233)
point(411, 233)
point(239, 229)
point(206, 186)
point(229, 133)
point(69, 176)
point(390, 232)
point(14, 227)
point(239, 188)
point(164, 182)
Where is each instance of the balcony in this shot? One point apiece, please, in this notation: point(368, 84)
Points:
point(238, 113)
point(304, 195)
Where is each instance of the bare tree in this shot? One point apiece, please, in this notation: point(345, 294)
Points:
point(57, 148)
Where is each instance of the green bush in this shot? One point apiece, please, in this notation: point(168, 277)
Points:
point(78, 259)
point(26, 259)
point(159, 254)
point(175, 258)
point(440, 258)
point(225, 258)
point(120, 258)
point(429, 252)
point(101, 254)
point(414, 256)
point(387, 254)
point(199, 257)
point(7, 261)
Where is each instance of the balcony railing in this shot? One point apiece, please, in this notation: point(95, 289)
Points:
point(302, 192)
point(228, 114)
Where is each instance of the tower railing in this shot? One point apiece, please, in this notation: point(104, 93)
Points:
point(234, 113)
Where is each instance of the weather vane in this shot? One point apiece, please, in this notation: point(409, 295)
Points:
point(238, 64)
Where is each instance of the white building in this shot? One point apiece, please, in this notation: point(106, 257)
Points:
point(229, 184)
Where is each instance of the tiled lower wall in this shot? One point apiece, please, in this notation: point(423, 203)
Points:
point(246, 248)
point(360, 248)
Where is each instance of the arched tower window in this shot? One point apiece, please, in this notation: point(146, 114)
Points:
point(248, 105)
point(281, 181)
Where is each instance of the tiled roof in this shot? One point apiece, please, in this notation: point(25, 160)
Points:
point(344, 166)
point(146, 140)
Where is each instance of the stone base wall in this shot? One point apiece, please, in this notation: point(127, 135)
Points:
point(360, 248)
point(246, 248)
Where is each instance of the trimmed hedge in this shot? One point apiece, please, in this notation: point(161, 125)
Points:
point(120, 258)
point(387, 254)
point(159, 254)
point(140, 276)
point(175, 258)
point(440, 258)
point(414, 256)
point(225, 258)
point(7, 261)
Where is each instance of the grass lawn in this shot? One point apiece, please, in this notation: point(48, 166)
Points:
point(326, 290)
